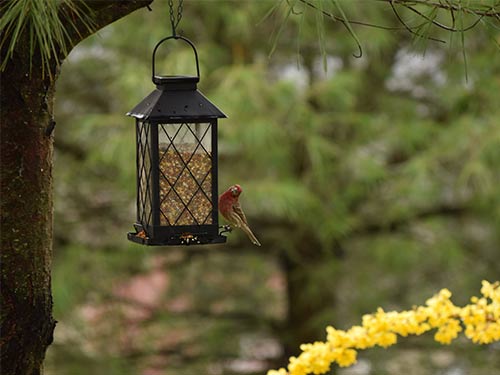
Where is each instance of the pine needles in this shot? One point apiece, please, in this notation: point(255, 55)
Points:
point(46, 26)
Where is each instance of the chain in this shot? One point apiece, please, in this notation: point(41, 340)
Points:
point(173, 19)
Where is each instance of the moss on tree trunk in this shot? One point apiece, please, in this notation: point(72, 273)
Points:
point(26, 213)
point(26, 149)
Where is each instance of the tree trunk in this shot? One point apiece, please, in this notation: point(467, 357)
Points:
point(26, 210)
point(305, 298)
point(26, 214)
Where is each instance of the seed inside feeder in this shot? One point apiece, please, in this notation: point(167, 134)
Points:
point(185, 185)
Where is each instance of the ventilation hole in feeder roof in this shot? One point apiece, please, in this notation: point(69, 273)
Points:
point(200, 104)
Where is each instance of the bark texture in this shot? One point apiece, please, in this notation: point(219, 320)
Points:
point(26, 208)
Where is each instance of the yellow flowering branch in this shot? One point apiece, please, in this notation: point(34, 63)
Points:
point(480, 318)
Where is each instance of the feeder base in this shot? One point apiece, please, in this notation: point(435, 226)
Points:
point(181, 240)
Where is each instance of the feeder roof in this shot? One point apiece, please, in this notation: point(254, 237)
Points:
point(176, 99)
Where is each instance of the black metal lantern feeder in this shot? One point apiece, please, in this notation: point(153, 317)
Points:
point(176, 133)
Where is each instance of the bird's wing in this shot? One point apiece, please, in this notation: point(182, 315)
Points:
point(234, 218)
point(237, 209)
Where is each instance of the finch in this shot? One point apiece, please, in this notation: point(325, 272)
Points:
point(230, 208)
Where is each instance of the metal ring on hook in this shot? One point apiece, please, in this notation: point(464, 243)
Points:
point(177, 37)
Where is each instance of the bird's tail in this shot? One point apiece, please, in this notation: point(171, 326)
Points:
point(250, 234)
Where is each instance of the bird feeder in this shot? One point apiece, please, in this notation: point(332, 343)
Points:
point(176, 140)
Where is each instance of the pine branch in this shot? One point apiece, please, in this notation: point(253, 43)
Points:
point(48, 30)
point(340, 19)
point(479, 10)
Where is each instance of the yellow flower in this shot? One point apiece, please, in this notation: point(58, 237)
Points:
point(481, 320)
point(346, 357)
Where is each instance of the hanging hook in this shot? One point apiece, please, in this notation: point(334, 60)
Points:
point(175, 37)
point(174, 21)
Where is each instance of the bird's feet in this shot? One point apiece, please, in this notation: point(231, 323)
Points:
point(226, 229)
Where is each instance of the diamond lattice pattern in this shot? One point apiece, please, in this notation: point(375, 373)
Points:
point(185, 174)
point(144, 197)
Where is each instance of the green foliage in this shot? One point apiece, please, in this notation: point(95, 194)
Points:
point(42, 21)
point(377, 179)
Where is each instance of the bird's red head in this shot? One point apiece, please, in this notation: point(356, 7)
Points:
point(235, 190)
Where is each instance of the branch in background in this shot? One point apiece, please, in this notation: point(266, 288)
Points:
point(340, 19)
point(480, 12)
point(443, 26)
point(448, 5)
point(410, 28)
point(347, 24)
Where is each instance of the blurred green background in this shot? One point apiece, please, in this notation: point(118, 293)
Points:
point(373, 183)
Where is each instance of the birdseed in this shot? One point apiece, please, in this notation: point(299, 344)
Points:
point(183, 202)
